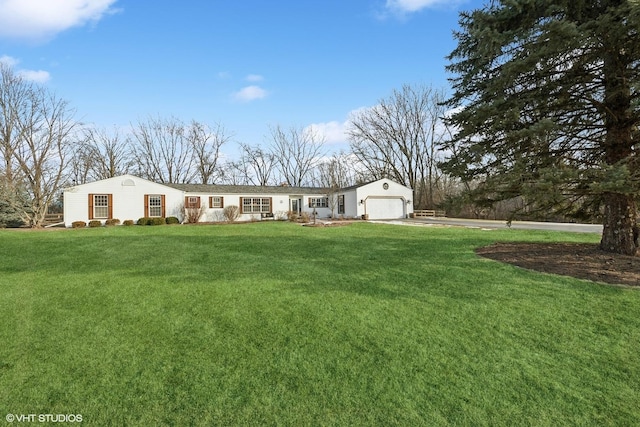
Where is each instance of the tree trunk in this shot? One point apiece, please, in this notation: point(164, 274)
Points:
point(620, 211)
point(619, 234)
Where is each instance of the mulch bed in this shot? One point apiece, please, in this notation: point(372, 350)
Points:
point(583, 261)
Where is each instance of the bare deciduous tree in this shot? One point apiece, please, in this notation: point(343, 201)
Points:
point(79, 165)
point(234, 173)
point(168, 151)
point(104, 154)
point(46, 126)
point(258, 164)
point(296, 153)
point(398, 139)
point(334, 173)
point(162, 152)
point(206, 141)
point(13, 91)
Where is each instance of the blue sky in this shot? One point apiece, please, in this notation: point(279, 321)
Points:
point(245, 64)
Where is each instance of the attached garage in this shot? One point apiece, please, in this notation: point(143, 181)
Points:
point(381, 199)
point(385, 207)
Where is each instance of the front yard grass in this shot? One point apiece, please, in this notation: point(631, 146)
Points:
point(273, 323)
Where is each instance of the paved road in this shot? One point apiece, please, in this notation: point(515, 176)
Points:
point(522, 225)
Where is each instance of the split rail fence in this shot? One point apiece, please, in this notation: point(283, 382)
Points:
point(428, 213)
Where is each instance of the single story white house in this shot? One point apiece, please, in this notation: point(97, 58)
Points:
point(130, 197)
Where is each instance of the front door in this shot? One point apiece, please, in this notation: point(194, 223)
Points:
point(296, 205)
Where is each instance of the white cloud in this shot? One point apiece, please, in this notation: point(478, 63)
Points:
point(8, 61)
point(41, 19)
point(403, 7)
point(254, 78)
point(333, 132)
point(38, 76)
point(35, 76)
point(250, 93)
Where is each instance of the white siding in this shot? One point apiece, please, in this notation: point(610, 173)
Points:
point(127, 198)
point(321, 212)
point(280, 205)
point(385, 199)
point(351, 204)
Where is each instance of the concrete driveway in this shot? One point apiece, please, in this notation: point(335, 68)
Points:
point(489, 224)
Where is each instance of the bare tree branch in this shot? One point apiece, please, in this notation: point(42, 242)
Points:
point(162, 151)
point(296, 153)
point(398, 139)
point(259, 164)
point(46, 128)
point(104, 154)
point(206, 141)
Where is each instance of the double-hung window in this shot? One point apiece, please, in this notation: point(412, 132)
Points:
point(100, 206)
point(256, 205)
point(192, 202)
point(154, 205)
point(341, 204)
point(216, 202)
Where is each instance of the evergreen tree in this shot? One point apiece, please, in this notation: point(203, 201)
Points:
point(11, 205)
point(546, 94)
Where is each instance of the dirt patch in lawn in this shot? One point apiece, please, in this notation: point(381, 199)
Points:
point(580, 260)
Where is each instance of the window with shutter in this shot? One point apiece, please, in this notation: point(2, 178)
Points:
point(215, 202)
point(155, 205)
point(99, 206)
point(192, 202)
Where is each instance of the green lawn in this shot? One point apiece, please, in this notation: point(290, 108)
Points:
point(277, 324)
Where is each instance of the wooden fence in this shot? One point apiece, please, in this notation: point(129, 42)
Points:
point(53, 218)
point(425, 213)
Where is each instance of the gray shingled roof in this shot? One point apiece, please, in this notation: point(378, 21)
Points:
point(362, 184)
point(245, 189)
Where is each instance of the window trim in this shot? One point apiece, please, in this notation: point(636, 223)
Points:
point(188, 204)
point(261, 205)
point(147, 205)
point(212, 205)
point(92, 206)
point(341, 204)
point(313, 202)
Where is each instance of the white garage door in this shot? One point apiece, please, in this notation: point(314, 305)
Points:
point(392, 208)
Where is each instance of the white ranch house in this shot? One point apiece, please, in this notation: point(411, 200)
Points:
point(130, 197)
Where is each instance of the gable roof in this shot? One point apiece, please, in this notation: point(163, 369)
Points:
point(125, 180)
point(246, 189)
point(362, 184)
point(242, 189)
